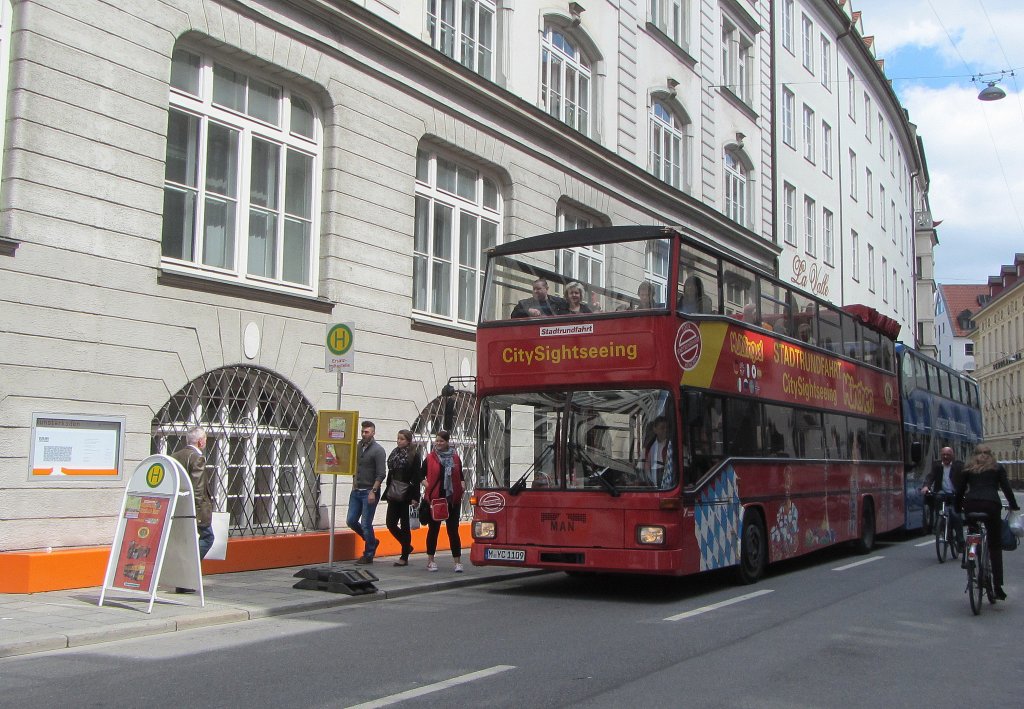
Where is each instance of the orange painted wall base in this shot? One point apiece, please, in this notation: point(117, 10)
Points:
point(38, 571)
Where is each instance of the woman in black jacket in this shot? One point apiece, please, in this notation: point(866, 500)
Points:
point(978, 491)
point(402, 490)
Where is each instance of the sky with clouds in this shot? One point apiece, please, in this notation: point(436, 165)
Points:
point(974, 149)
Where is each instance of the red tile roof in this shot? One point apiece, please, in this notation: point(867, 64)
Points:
point(959, 299)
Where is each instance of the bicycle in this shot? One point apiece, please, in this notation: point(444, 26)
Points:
point(976, 561)
point(946, 543)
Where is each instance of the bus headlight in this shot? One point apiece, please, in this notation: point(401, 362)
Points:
point(485, 530)
point(651, 535)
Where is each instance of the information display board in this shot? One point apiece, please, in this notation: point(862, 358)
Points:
point(69, 448)
point(337, 434)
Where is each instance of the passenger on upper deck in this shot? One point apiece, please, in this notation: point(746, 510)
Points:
point(541, 303)
point(574, 296)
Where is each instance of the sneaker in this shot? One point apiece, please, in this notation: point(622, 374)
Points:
point(431, 566)
point(402, 562)
point(458, 567)
point(364, 560)
point(1000, 593)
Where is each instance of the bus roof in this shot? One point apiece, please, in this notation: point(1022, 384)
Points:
point(583, 237)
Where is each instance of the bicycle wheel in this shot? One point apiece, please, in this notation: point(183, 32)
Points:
point(974, 586)
point(990, 589)
point(941, 546)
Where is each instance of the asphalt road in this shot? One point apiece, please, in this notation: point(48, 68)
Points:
point(892, 628)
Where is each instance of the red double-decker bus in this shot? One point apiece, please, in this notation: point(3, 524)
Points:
point(651, 404)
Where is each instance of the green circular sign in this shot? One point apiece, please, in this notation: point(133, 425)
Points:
point(339, 339)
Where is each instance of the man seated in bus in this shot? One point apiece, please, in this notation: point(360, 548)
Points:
point(541, 303)
point(658, 469)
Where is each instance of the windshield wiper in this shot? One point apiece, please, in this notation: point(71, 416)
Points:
point(520, 484)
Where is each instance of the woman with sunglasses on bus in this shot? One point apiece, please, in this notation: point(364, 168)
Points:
point(977, 490)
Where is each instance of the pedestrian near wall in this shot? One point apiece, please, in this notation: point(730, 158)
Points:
point(402, 489)
point(193, 458)
point(442, 470)
point(371, 470)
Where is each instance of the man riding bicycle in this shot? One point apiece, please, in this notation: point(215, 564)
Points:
point(942, 481)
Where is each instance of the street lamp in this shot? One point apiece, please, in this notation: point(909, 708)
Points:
point(991, 92)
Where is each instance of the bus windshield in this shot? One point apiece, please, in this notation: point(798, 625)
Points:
point(608, 440)
point(598, 278)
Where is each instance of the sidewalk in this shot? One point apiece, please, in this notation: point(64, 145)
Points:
point(54, 620)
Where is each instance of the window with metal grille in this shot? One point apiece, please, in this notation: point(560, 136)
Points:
point(260, 437)
point(457, 413)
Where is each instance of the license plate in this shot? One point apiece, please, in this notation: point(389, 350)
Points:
point(505, 554)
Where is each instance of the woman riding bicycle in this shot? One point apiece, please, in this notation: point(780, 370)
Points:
point(978, 491)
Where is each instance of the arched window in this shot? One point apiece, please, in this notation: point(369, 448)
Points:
point(736, 187)
point(565, 86)
point(457, 413)
point(667, 145)
point(260, 436)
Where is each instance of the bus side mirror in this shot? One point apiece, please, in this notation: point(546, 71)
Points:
point(915, 452)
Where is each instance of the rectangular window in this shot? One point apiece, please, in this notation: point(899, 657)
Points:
point(464, 31)
point(881, 210)
point(885, 280)
point(869, 190)
point(826, 235)
point(826, 63)
point(788, 118)
point(457, 218)
point(855, 254)
point(853, 175)
point(737, 60)
point(826, 148)
point(881, 132)
point(809, 130)
point(789, 207)
point(871, 268)
point(787, 25)
point(240, 177)
point(867, 117)
point(851, 100)
point(807, 42)
point(810, 227)
point(672, 18)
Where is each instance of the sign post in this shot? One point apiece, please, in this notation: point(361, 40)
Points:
point(156, 533)
point(336, 454)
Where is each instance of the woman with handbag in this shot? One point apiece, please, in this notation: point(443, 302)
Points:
point(401, 489)
point(977, 490)
point(442, 470)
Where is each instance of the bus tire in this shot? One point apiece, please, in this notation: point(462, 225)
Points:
point(753, 548)
point(866, 542)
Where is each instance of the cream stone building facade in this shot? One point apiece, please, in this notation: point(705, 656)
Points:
point(194, 190)
point(999, 365)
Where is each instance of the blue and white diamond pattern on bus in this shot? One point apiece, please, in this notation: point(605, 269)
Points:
point(717, 521)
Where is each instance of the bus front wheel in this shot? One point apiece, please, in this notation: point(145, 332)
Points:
point(866, 542)
point(753, 548)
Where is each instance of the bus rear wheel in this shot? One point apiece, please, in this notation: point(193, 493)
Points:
point(753, 548)
point(867, 528)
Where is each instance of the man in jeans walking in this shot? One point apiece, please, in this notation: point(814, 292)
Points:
point(366, 487)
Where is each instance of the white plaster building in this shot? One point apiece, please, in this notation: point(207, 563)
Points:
point(846, 159)
point(955, 307)
point(194, 190)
